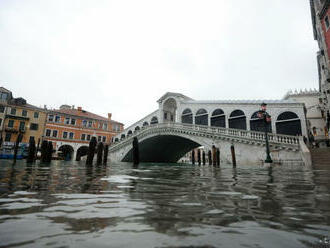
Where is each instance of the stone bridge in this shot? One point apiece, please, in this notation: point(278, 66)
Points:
point(181, 124)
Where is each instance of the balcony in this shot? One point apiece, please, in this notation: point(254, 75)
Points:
point(14, 130)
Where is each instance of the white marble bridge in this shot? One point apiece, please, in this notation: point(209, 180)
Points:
point(170, 132)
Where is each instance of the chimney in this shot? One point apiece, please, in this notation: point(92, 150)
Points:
point(109, 116)
point(79, 109)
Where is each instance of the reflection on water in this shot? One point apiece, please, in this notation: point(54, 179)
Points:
point(68, 204)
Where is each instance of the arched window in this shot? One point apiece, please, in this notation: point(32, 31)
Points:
point(145, 124)
point(237, 120)
point(154, 120)
point(288, 123)
point(218, 118)
point(129, 132)
point(116, 140)
point(187, 116)
point(137, 128)
point(201, 117)
point(122, 136)
point(257, 124)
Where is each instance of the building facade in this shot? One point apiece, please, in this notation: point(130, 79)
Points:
point(321, 28)
point(316, 119)
point(71, 129)
point(19, 117)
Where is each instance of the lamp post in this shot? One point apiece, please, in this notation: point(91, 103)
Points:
point(266, 118)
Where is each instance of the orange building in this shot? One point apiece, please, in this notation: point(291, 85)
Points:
point(70, 129)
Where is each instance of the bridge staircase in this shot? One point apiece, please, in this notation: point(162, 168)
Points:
point(320, 158)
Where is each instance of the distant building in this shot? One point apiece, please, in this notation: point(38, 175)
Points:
point(70, 129)
point(17, 116)
point(321, 28)
point(315, 115)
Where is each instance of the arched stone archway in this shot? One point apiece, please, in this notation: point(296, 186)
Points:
point(187, 116)
point(66, 152)
point(237, 120)
point(154, 120)
point(218, 118)
point(129, 132)
point(201, 117)
point(122, 136)
point(152, 149)
point(82, 151)
point(288, 123)
point(257, 124)
point(145, 124)
point(137, 128)
point(169, 110)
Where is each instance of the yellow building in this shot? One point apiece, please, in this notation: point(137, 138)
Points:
point(20, 117)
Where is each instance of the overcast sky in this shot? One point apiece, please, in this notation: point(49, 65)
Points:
point(121, 56)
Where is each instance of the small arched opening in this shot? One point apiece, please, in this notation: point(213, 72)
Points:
point(137, 128)
point(82, 151)
point(218, 118)
point(187, 116)
point(201, 117)
point(154, 120)
point(65, 152)
point(257, 124)
point(145, 124)
point(122, 136)
point(288, 123)
point(237, 120)
point(169, 110)
point(129, 133)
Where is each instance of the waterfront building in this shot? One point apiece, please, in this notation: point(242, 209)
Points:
point(321, 29)
point(315, 115)
point(19, 117)
point(70, 129)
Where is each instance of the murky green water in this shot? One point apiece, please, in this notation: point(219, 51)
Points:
point(68, 205)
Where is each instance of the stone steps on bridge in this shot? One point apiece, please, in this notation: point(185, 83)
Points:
point(320, 157)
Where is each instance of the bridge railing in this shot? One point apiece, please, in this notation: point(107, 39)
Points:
point(215, 131)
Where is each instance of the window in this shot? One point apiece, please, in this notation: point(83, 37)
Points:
point(48, 131)
point(67, 120)
point(8, 137)
point(88, 137)
point(57, 118)
point(31, 137)
point(55, 133)
point(24, 112)
point(13, 111)
point(84, 123)
point(165, 116)
point(36, 115)
point(90, 124)
point(104, 139)
point(71, 135)
point(21, 125)
point(73, 121)
point(50, 117)
point(100, 125)
point(105, 126)
point(99, 138)
point(326, 20)
point(11, 123)
point(2, 109)
point(3, 96)
point(65, 135)
point(0, 122)
point(34, 126)
point(83, 136)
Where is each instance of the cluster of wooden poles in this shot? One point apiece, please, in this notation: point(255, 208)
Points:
point(213, 156)
point(100, 150)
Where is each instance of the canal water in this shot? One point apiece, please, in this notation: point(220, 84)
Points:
point(67, 204)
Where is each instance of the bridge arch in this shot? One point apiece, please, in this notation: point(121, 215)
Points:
point(201, 117)
point(152, 148)
point(154, 120)
point(257, 124)
point(288, 123)
point(187, 116)
point(82, 151)
point(237, 120)
point(218, 118)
